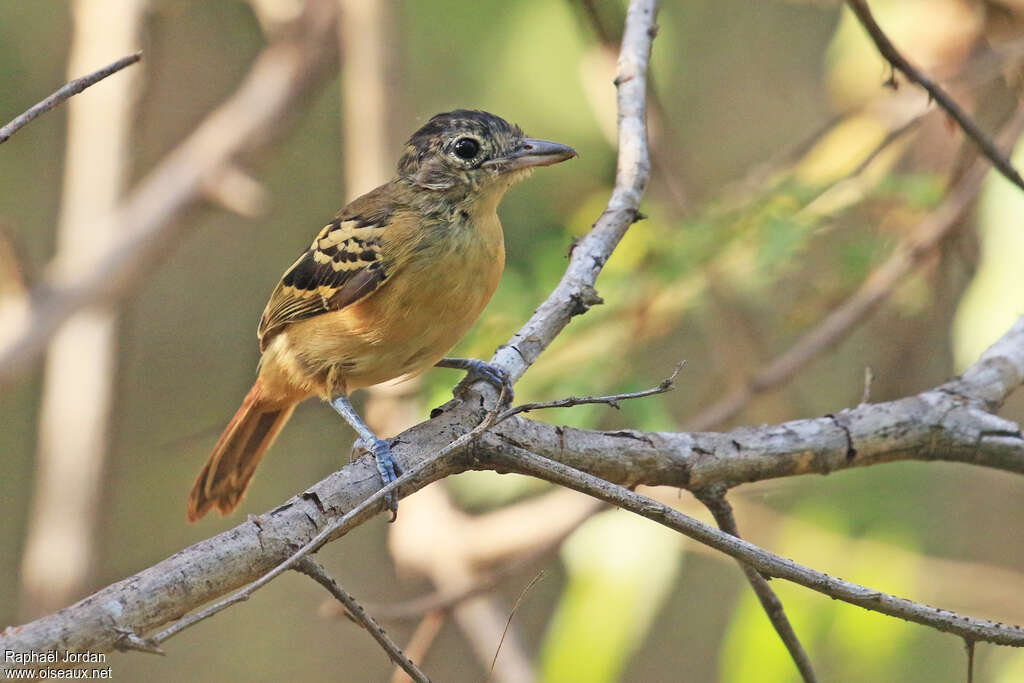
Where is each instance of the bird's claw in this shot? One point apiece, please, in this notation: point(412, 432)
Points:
point(492, 374)
point(387, 467)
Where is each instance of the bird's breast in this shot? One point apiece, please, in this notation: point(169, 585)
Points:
point(421, 311)
point(440, 293)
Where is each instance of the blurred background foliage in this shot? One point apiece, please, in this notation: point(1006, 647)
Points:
point(773, 198)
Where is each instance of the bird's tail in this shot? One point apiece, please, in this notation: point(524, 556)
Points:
point(227, 473)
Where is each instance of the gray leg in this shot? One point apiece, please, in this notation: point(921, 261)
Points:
point(386, 465)
point(478, 369)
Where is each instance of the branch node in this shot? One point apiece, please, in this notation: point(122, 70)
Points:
point(128, 640)
point(891, 81)
point(583, 299)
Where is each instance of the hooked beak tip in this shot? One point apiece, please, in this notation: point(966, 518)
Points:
point(537, 153)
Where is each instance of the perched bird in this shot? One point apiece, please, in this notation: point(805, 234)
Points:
point(385, 290)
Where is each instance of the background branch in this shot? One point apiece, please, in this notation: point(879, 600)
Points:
point(874, 291)
point(898, 61)
point(279, 77)
point(71, 457)
point(72, 88)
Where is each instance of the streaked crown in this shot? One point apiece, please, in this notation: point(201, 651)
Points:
point(468, 148)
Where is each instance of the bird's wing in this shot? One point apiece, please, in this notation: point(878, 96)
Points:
point(343, 265)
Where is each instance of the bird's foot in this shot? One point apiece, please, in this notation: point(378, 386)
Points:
point(387, 467)
point(480, 370)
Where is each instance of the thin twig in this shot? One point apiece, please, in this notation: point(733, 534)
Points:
point(667, 384)
point(492, 420)
point(875, 289)
point(721, 510)
point(315, 571)
point(422, 638)
point(869, 379)
point(969, 644)
point(72, 88)
point(129, 640)
point(512, 613)
point(516, 459)
point(898, 61)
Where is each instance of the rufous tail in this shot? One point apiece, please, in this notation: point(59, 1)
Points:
point(227, 473)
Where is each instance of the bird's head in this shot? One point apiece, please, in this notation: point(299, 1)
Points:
point(466, 152)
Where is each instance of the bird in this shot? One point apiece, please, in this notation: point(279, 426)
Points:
point(385, 290)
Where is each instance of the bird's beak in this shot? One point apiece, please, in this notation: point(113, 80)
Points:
point(533, 153)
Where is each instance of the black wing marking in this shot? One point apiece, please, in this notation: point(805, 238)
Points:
point(341, 266)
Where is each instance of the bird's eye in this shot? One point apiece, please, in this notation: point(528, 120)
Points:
point(466, 148)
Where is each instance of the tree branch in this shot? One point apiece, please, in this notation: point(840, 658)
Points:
point(714, 500)
point(417, 477)
point(898, 61)
point(69, 90)
point(952, 422)
point(949, 422)
point(520, 460)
